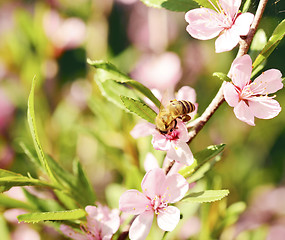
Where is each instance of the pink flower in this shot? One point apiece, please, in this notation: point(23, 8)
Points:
point(64, 33)
point(250, 99)
point(205, 23)
point(158, 71)
point(159, 190)
point(101, 224)
point(175, 142)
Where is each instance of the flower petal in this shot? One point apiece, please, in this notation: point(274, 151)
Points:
point(243, 22)
point(142, 129)
point(230, 94)
point(153, 183)
point(231, 7)
point(240, 71)
point(227, 40)
point(182, 131)
point(150, 162)
point(268, 82)
point(169, 218)
point(264, 107)
point(203, 23)
point(69, 232)
point(177, 187)
point(160, 142)
point(181, 153)
point(141, 226)
point(133, 202)
point(186, 93)
point(244, 114)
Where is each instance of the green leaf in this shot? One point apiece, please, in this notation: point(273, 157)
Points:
point(206, 196)
point(106, 71)
point(70, 184)
point(177, 5)
point(4, 230)
point(113, 90)
point(30, 155)
point(52, 216)
point(33, 130)
point(42, 204)
point(272, 43)
point(258, 43)
point(84, 184)
point(139, 108)
point(201, 164)
point(222, 76)
point(8, 202)
point(67, 201)
point(9, 179)
point(246, 6)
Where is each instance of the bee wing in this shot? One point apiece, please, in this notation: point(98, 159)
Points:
point(166, 97)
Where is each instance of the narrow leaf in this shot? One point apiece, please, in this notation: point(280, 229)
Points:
point(206, 196)
point(33, 130)
point(139, 108)
point(246, 6)
point(4, 229)
point(272, 43)
point(178, 5)
point(41, 204)
point(84, 184)
point(201, 159)
point(222, 76)
point(12, 181)
point(52, 216)
point(8, 202)
point(112, 90)
point(106, 71)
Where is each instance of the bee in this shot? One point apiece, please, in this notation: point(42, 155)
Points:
point(165, 120)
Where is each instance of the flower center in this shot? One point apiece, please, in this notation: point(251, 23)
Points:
point(159, 203)
point(246, 93)
point(225, 19)
point(172, 135)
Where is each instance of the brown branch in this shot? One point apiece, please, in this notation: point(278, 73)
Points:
point(245, 42)
point(199, 123)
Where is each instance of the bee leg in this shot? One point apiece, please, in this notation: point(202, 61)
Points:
point(175, 123)
point(186, 118)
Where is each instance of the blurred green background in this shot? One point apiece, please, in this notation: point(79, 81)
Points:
point(52, 39)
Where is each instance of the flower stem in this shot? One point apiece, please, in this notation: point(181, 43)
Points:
point(245, 42)
point(199, 123)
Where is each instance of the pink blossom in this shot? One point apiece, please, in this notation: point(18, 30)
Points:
point(159, 190)
point(158, 71)
point(250, 99)
point(64, 33)
point(25, 232)
point(175, 142)
point(101, 224)
point(226, 21)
